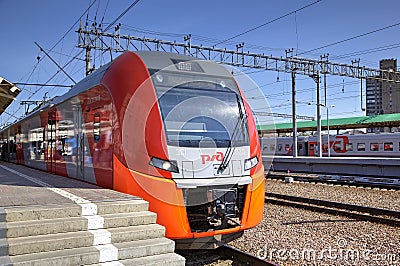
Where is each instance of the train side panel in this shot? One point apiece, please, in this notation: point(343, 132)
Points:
point(72, 139)
point(370, 145)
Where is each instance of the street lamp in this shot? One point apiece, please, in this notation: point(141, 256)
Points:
point(327, 123)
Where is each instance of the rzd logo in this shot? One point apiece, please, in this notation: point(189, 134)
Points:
point(219, 156)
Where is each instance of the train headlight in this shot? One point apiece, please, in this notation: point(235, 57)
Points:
point(170, 166)
point(250, 163)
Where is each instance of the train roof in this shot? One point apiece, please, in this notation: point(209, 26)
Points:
point(163, 60)
point(153, 60)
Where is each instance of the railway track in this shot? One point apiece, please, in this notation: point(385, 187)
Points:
point(376, 215)
point(242, 258)
point(224, 255)
point(372, 182)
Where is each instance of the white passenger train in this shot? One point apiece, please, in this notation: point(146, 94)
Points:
point(371, 145)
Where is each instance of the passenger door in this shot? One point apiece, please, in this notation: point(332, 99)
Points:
point(80, 147)
point(51, 148)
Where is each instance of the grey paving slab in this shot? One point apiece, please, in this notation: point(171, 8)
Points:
point(16, 190)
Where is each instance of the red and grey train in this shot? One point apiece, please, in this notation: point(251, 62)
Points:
point(369, 145)
point(175, 131)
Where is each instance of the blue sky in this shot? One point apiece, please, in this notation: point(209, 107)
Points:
point(328, 21)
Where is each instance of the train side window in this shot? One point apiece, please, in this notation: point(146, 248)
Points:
point(287, 147)
point(374, 147)
point(311, 147)
point(360, 146)
point(349, 146)
point(388, 146)
point(96, 127)
point(272, 147)
point(337, 147)
point(279, 147)
point(300, 146)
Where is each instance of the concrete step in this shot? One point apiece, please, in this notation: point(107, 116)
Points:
point(72, 224)
point(129, 219)
point(132, 227)
point(138, 232)
point(44, 227)
point(44, 243)
point(76, 224)
point(105, 207)
point(29, 213)
point(170, 259)
point(71, 210)
point(139, 249)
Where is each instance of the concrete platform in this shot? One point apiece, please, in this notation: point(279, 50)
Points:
point(51, 220)
point(17, 190)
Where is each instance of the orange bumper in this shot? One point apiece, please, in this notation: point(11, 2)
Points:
point(166, 200)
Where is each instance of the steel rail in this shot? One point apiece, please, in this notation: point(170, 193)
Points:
point(371, 214)
point(304, 178)
point(237, 255)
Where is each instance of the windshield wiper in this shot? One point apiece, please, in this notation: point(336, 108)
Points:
point(230, 150)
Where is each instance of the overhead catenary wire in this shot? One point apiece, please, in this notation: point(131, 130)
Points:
point(269, 22)
point(80, 52)
point(104, 14)
point(351, 38)
point(69, 30)
point(121, 15)
point(254, 46)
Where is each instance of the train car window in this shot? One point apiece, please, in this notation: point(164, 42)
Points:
point(96, 127)
point(272, 147)
point(280, 147)
point(311, 147)
point(325, 148)
point(374, 147)
point(349, 146)
point(287, 147)
point(337, 147)
point(388, 146)
point(360, 146)
point(300, 146)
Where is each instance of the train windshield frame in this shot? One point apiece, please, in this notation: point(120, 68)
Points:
point(201, 111)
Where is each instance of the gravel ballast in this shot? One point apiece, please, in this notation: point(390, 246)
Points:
point(292, 236)
point(378, 198)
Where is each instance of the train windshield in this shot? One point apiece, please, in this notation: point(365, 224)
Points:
point(203, 114)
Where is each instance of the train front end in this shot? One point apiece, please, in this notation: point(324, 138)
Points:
point(204, 175)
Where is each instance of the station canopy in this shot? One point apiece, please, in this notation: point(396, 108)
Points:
point(8, 93)
point(388, 120)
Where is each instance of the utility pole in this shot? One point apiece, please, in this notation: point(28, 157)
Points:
point(88, 58)
point(319, 116)
point(325, 56)
point(319, 138)
point(356, 62)
point(294, 120)
point(187, 39)
point(294, 114)
point(238, 47)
